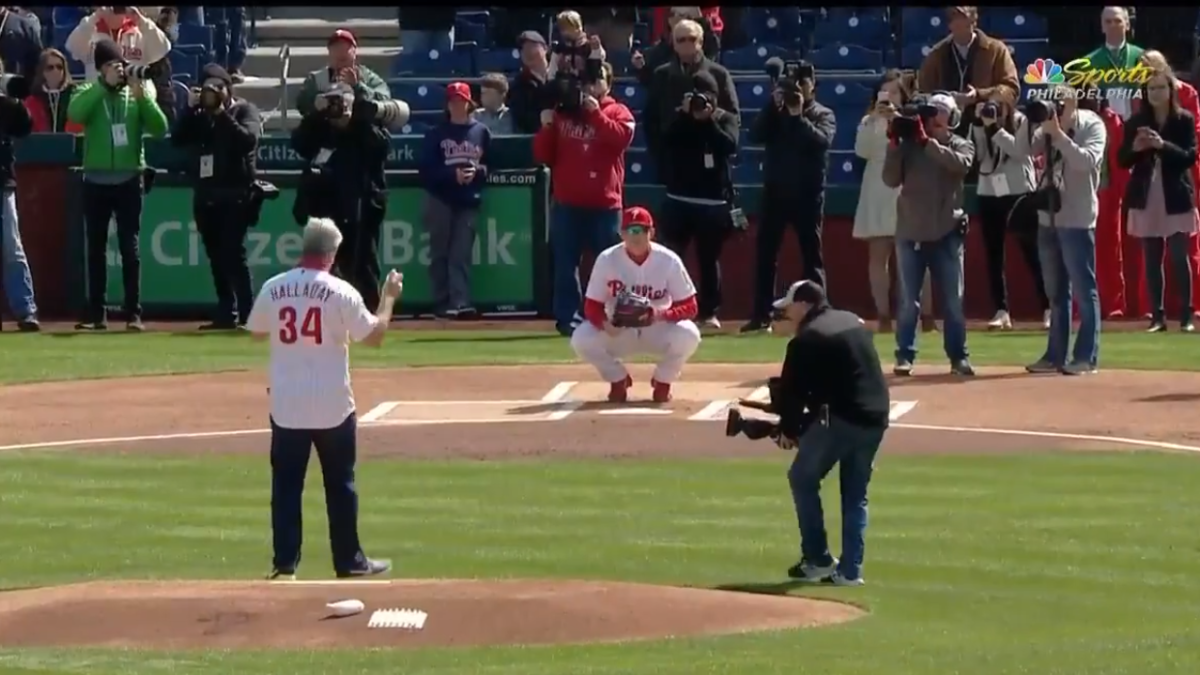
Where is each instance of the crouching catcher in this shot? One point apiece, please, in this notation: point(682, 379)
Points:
point(640, 300)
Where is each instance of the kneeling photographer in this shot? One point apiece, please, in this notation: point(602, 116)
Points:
point(345, 143)
point(1072, 142)
point(700, 204)
point(220, 134)
point(930, 163)
point(833, 407)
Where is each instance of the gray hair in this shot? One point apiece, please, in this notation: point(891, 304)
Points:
point(321, 237)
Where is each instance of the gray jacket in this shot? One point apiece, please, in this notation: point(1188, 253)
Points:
point(499, 122)
point(930, 179)
point(1018, 176)
point(1078, 161)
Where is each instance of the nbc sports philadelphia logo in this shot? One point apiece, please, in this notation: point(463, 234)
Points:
point(1049, 81)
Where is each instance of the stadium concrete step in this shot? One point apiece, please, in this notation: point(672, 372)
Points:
point(335, 13)
point(264, 61)
point(316, 32)
point(268, 92)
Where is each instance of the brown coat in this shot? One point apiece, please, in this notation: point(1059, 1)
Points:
point(992, 69)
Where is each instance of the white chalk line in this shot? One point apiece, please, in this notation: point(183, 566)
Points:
point(900, 409)
point(1142, 443)
point(380, 411)
point(559, 392)
point(714, 411)
point(761, 394)
point(331, 582)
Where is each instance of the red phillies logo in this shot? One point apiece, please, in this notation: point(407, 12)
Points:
point(615, 286)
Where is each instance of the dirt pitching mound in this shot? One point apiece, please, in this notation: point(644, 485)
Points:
point(245, 615)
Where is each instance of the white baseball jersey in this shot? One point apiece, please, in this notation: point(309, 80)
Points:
point(661, 277)
point(311, 317)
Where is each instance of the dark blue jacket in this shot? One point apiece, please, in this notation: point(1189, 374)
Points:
point(20, 44)
point(447, 147)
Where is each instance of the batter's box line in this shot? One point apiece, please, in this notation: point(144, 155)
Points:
point(715, 411)
point(900, 409)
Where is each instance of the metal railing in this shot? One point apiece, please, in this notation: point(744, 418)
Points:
point(285, 65)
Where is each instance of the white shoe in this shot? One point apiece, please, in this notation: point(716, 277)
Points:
point(1046, 319)
point(1002, 321)
point(712, 322)
point(838, 580)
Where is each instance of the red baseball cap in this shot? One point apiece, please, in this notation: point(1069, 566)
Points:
point(458, 90)
point(343, 34)
point(636, 216)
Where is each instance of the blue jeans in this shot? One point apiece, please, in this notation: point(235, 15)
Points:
point(1068, 257)
point(231, 23)
point(853, 449)
point(337, 451)
point(18, 282)
point(571, 229)
point(944, 261)
point(425, 41)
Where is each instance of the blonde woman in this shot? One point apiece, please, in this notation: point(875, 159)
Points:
point(875, 218)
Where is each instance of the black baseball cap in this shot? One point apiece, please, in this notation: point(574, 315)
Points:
point(530, 36)
point(808, 292)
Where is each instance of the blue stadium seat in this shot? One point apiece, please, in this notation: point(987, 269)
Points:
point(836, 91)
point(67, 16)
point(844, 168)
point(745, 59)
point(621, 60)
point(923, 24)
point(639, 136)
point(420, 94)
point(846, 57)
point(415, 127)
point(458, 62)
point(637, 166)
point(912, 55)
point(427, 118)
point(749, 169)
point(60, 36)
point(864, 27)
point(641, 34)
point(848, 116)
point(499, 61)
point(1012, 23)
point(184, 63)
point(752, 93)
point(196, 35)
point(181, 95)
point(468, 31)
point(631, 94)
point(183, 78)
point(774, 25)
point(1025, 52)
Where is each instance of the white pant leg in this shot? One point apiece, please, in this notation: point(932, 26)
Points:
point(603, 351)
point(673, 344)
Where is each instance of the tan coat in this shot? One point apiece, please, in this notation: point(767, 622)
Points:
point(992, 69)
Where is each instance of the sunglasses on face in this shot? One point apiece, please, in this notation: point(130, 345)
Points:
point(54, 66)
point(686, 39)
point(635, 229)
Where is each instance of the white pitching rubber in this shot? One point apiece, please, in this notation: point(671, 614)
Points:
point(346, 607)
point(408, 619)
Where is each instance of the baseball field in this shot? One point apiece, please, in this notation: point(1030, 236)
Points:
point(1025, 524)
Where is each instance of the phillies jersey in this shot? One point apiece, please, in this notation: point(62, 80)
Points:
point(311, 317)
point(661, 277)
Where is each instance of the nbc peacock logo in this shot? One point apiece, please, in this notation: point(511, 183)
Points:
point(1044, 71)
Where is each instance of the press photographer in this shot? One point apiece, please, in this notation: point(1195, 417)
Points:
point(797, 132)
point(1072, 143)
point(833, 405)
point(701, 140)
point(117, 111)
point(344, 142)
point(930, 163)
point(15, 122)
point(220, 134)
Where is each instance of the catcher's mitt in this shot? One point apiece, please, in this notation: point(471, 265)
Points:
point(632, 311)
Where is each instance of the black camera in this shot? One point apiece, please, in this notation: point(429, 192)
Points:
point(915, 112)
point(335, 105)
point(1038, 111)
point(568, 93)
point(699, 102)
point(137, 72)
point(754, 429)
point(14, 86)
point(787, 75)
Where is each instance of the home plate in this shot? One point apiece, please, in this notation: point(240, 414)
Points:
point(636, 411)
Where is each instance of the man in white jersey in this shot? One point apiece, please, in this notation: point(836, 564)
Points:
point(311, 317)
point(653, 271)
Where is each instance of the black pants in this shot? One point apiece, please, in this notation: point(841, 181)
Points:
point(1181, 264)
point(357, 258)
point(805, 214)
point(994, 220)
point(708, 226)
point(101, 204)
point(222, 224)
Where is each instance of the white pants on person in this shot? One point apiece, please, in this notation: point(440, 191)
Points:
point(672, 343)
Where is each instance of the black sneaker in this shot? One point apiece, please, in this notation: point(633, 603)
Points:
point(29, 325)
point(756, 326)
point(963, 368)
point(370, 568)
point(806, 571)
point(903, 368)
point(281, 575)
point(1157, 326)
point(467, 313)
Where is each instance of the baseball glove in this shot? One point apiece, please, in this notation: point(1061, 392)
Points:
point(632, 311)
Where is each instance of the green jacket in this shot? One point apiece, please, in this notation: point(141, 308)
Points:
point(1102, 59)
point(370, 87)
point(97, 107)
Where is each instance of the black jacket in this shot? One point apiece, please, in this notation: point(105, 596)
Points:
point(1178, 155)
point(528, 96)
point(699, 153)
point(797, 156)
point(665, 94)
point(15, 122)
point(20, 44)
point(352, 171)
point(832, 362)
point(230, 137)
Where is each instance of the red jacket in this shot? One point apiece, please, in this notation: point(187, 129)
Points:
point(587, 156)
point(713, 14)
point(1117, 176)
point(47, 121)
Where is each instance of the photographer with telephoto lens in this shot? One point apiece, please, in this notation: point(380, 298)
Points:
point(833, 407)
point(117, 110)
point(930, 163)
point(220, 134)
point(344, 145)
point(1072, 142)
point(798, 133)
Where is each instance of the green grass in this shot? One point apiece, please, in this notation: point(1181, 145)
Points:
point(28, 358)
point(1042, 564)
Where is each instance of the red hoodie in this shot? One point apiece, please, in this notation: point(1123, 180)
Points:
point(713, 14)
point(587, 156)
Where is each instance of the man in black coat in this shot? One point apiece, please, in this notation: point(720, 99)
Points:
point(530, 91)
point(220, 132)
point(833, 405)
